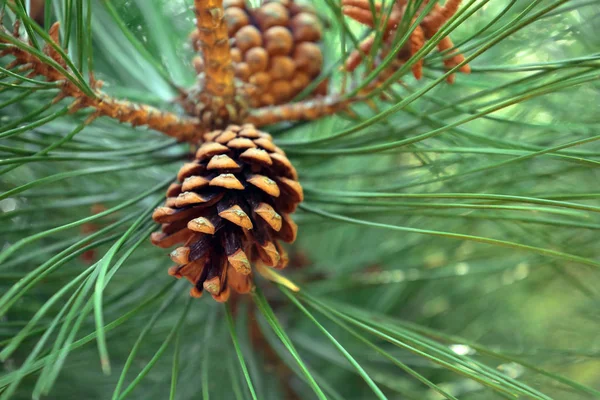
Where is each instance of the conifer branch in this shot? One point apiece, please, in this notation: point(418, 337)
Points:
point(432, 22)
point(27, 60)
point(307, 110)
point(214, 45)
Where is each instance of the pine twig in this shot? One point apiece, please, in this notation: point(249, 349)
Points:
point(360, 10)
point(272, 359)
point(215, 100)
point(303, 110)
point(214, 44)
point(179, 127)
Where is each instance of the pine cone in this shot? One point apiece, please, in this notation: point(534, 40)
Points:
point(274, 49)
point(231, 209)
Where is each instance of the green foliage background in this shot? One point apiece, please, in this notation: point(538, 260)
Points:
point(448, 244)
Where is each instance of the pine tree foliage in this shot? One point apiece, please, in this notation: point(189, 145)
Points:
point(447, 244)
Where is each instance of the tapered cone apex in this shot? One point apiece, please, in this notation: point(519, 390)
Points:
point(230, 209)
point(274, 49)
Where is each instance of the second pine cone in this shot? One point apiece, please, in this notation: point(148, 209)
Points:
point(274, 49)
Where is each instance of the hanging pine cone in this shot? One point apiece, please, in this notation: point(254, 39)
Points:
point(274, 49)
point(230, 209)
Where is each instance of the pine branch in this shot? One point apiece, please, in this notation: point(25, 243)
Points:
point(214, 45)
point(433, 18)
point(307, 110)
point(51, 65)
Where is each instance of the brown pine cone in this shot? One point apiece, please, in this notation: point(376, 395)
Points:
point(274, 49)
point(230, 209)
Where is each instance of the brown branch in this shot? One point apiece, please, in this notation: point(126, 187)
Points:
point(416, 43)
point(273, 362)
point(303, 110)
point(217, 101)
point(180, 127)
point(360, 10)
point(214, 44)
point(37, 11)
point(439, 15)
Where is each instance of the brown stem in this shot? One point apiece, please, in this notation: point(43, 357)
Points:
point(303, 110)
point(214, 44)
point(273, 361)
point(360, 10)
point(180, 127)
